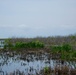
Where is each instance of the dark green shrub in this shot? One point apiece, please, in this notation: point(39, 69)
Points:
point(66, 47)
point(56, 48)
point(19, 45)
point(65, 51)
point(33, 44)
point(61, 48)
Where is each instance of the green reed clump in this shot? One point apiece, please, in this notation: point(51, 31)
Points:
point(56, 49)
point(66, 51)
point(66, 47)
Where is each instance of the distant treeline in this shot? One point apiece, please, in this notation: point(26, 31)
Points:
point(57, 40)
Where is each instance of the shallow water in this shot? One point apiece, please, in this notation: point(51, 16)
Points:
point(29, 63)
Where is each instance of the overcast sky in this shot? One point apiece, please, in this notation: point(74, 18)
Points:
point(31, 18)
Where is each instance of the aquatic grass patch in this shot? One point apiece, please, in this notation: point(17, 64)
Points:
point(56, 49)
point(66, 51)
point(61, 48)
point(66, 47)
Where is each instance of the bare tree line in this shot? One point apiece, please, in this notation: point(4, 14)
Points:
point(54, 40)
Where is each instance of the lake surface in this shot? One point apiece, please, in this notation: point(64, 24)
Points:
point(28, 63)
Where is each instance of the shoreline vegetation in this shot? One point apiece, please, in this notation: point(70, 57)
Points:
point(61, 47)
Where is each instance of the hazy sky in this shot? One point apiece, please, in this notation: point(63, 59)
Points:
point(31, 18)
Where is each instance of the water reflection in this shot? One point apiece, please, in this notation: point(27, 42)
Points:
point(26, 64)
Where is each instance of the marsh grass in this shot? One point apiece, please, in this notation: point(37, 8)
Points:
point(66, 51)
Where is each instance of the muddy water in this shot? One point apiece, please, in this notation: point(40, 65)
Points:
point(28, 63)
